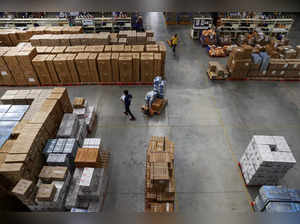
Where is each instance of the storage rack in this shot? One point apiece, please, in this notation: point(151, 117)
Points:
point(109, 24)
point(199, 24)
point(29, 22)
point(237, 26)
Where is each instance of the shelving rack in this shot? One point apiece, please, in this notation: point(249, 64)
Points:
point(235, 26)
point(29, 22)
point(109, 24)
point(200, 24)
point(89, 24)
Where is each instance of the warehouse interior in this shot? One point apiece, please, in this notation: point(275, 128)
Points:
point(211, 123)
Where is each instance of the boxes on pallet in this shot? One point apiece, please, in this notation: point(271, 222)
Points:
point(57, 201)
point(90, 118)
point(115, 67)
point(6, 78)
point(56, 159)
point(82, 64)
point(25, 191)
point(61, 68)
point(266, 160)
point(104, 67)
point(92, 59)
point(92, 143)
point(68, 127)
point(82, 132)
point(125, 67)
point(87, 191)
point(70, 58)
point(147, 67)
point(39, 63)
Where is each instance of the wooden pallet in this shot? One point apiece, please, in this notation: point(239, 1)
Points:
point(213, 77)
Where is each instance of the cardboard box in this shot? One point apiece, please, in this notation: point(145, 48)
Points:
point(125, 66)
point(147, 67)
point(61, 68)
point(94, 75)
point(40, 66)
point(14, 66)
point(94, 49)
point(115, 67)
point(127, 48)
point(46, 192)
point(6, 78)
point(78, 102)
point(104, 67)
point(72, 67)
point(82, 65)
point(51, 68)
point(117, 48)
point(137, 48)
point(58, 50)
point(157, 64)
point(141, 38)
point(136, 67)
point(122, 41)
point(278, 64)
point(107, 48)
point(293, 64)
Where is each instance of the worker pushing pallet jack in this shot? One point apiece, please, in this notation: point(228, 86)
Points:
point(154, 99)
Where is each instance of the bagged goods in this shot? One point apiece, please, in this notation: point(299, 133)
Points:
point(147, 67)
point(216, 51)
point(104, 67)
point(125, 66)
point(40, 65)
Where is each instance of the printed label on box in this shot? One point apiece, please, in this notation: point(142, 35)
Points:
point(3, 73)
point(31, 80)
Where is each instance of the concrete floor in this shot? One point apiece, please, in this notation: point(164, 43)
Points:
point(211, 124)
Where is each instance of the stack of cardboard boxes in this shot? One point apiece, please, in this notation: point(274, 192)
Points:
point(266, 160)
point(160, 176)
point(70, 39)
point(24, 157)
point(11, 37)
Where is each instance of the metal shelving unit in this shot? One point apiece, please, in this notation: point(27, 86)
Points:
point(237, 26)
point(109, 24)
point(199, 24)
point(29, 22)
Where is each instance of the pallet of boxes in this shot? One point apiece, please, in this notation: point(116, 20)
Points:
point(216, 71)
point(26, 138)
point(266, 160)
point(91, 176)
point(160, 176)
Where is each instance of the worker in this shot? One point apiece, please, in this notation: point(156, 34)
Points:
point(126, 98)
point(174, 42)
point(140, 24)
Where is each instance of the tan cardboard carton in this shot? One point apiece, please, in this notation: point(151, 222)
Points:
point(61, 68)
point(104, 67)
point(115, 67)
point(72, 67)
point(94, 75)
point(82, 65)
point(125, 66)
point(51, 68)
point(135, 67)
point(40, 66)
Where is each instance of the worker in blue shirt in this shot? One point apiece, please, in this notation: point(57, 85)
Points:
point(127, 101)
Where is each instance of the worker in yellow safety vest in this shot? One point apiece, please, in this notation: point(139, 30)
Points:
point(174, 42)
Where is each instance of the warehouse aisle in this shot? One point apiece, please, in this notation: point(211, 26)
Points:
point(210, 123)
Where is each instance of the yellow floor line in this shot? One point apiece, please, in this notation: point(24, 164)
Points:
point(233, 156)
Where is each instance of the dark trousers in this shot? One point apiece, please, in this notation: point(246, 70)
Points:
point(174, 47)
point(127, 110)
